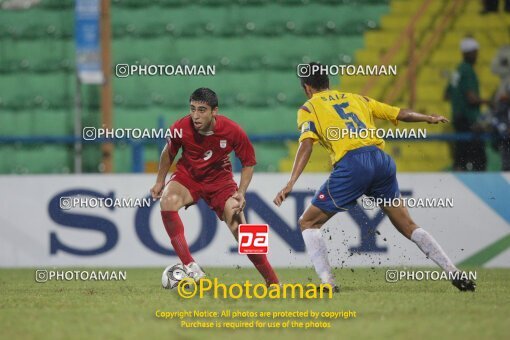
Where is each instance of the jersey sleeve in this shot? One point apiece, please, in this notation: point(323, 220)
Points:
point(174, 143)
point(243, 148)
point(382, 110)
point(307, 124)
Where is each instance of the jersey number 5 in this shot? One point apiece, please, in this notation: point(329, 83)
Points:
point(353, 125)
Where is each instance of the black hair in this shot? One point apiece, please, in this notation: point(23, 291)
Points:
point(316, 77)
point(205, 95)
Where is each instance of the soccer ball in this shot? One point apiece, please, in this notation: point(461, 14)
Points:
point(173, 274)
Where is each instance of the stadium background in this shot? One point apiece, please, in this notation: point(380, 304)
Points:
point(255, 46)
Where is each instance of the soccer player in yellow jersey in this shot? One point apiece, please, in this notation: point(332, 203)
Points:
point(333, 119)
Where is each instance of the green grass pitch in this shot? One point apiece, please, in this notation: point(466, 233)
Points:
point(126, 309)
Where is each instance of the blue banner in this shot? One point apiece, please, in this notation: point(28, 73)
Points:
point(88, 49)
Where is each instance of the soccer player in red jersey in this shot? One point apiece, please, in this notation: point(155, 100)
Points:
point(204, 171)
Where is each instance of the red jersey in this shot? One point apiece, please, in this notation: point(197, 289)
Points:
point(206, 157)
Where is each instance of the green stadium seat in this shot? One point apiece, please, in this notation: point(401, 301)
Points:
point(213, 3)
point(52, 56)
point(57, 4)
point(7, 156)
point(37, 23)
point(132, 92)
point(15, 123)
point(42, 159)
point(153, 51)
point(268, 20)
point(36, 122)
point(53, 123)
point(54, 90)
point(264, 120)
point(292, 2)
point(122, 158)
point(175, 3)
point(134, 3)
point(144, 119)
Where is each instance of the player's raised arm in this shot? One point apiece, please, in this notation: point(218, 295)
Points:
point(302, 156)
point(395, 114)
point(408, 115)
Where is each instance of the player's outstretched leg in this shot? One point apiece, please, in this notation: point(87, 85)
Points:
point(259, 260)
point(174, 197)
point(401, 219)
point(310, 222)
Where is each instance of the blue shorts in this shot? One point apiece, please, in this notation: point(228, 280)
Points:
point(364, 171)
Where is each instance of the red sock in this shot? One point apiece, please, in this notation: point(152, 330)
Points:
point(262, 264)
point(175, 229)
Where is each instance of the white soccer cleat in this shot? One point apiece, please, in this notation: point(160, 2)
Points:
point(195, 272)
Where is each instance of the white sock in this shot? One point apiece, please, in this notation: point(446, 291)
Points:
point(429, 246)
point(318, 253)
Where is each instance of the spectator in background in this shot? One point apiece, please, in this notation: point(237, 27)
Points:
point(491, 6)
point(464, 94)
point(501, 105)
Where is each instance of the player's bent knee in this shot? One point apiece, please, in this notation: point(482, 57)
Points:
point(228, 209)
point(230, 204)
point(307, 224)
point(171, 202)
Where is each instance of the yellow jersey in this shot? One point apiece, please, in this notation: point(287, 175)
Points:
point(337, 119)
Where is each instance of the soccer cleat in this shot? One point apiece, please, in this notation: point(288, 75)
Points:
point(325, 289)
point(464, 285)
point(195, 272)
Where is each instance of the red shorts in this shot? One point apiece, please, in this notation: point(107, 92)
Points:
point(214, 194)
